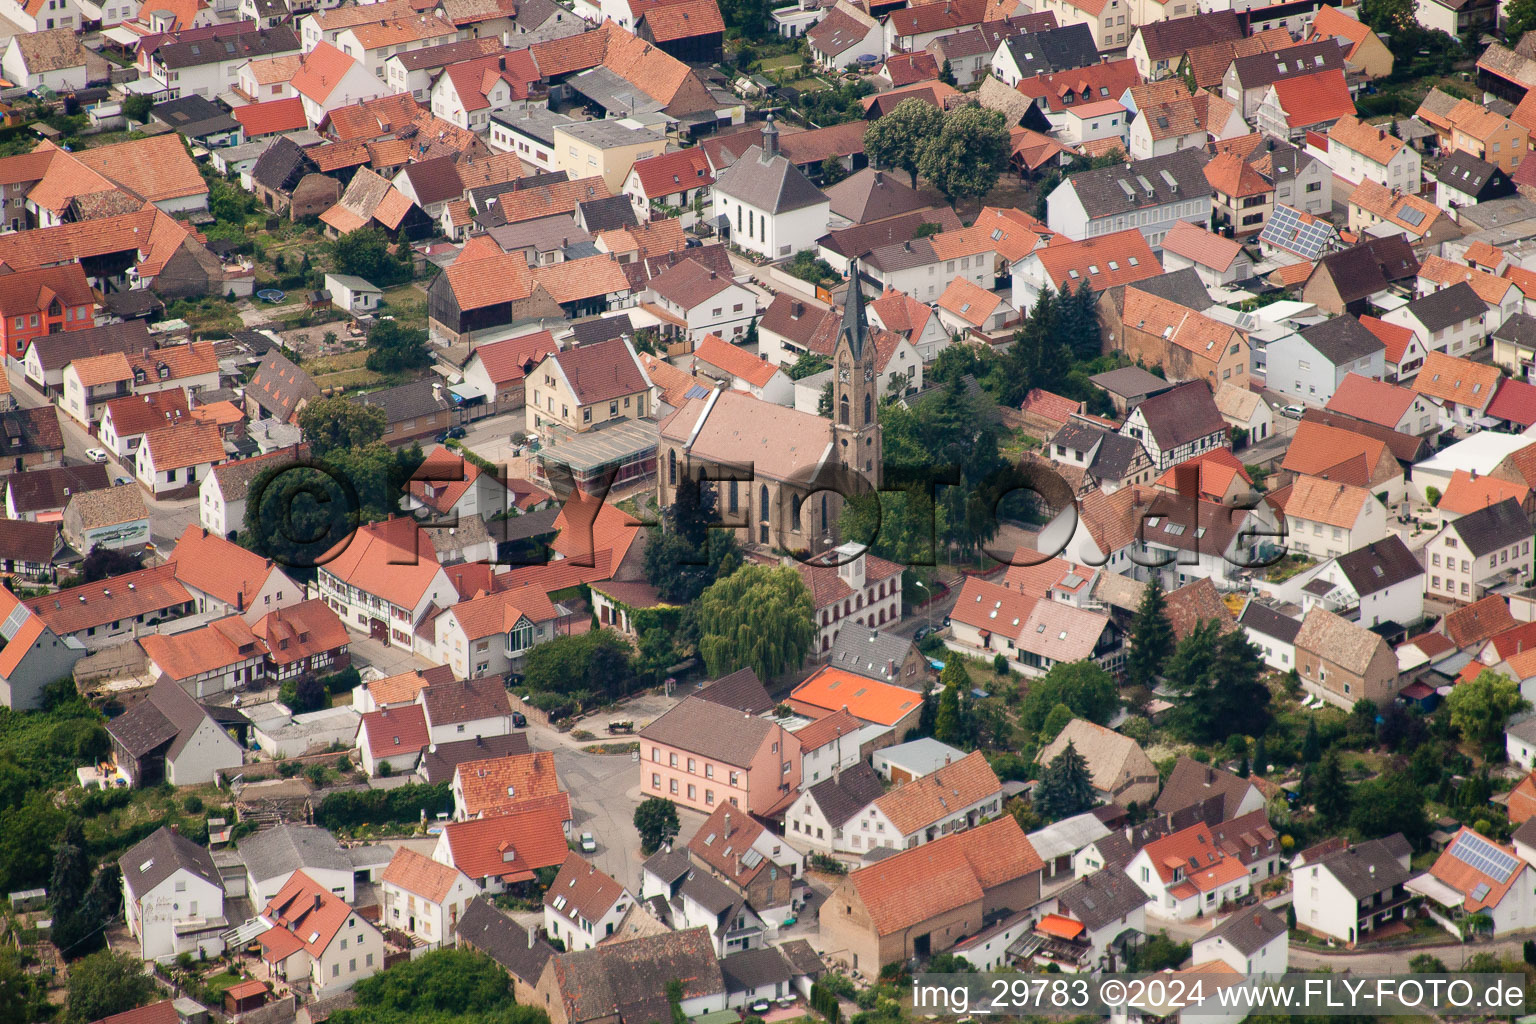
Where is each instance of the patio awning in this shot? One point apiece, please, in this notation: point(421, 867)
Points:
point(243, 934)
point(1429, 886)
point(121, 36)
point(1060, 927)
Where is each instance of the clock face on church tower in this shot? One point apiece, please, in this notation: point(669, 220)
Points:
point(869, 374)
point(842, 371)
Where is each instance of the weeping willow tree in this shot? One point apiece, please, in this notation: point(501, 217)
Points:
point(758, 618)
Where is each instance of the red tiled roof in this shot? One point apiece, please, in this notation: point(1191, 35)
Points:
point(869, 699)
point(1372, 400)
point(393, 560)
point(670, 173)
point(304, 915)
point(1396, 338)
point(420, 874)
point(396, 730)
point(1314, 99)
point(1123, 257)
point(737, 362)
point(955, 870)
point(301, 631)
point(510, 846)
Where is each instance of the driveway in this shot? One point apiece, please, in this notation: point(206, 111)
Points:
point(370, 653)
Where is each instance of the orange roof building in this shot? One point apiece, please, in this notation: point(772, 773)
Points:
point(878, 912)
point(308, 919)
point(392, 563)
point(506, 848)
point(496, 785)
point(1190, 868)
point(875, 703)
point(422, 897)
point(33, 656)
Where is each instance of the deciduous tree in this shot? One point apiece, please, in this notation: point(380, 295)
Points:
point(899, 139)
point(968, 154)
point(758, 618)
point(105, 983)
point(656, 821)
point(1480, 708)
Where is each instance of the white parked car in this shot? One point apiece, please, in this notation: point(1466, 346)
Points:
point(588, 844)
point(96, 454)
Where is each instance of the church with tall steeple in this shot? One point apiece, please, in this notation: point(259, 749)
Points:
point(781, 474)
point(855, 405)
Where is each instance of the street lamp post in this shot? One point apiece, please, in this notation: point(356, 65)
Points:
point(928, 603)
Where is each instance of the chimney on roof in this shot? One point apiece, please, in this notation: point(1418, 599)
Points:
point(317, 901)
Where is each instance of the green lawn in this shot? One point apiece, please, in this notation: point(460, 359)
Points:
point(219, 982)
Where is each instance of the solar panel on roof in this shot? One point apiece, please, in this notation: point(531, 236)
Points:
point(1478, 853)
point(696, 391)
point(1481, 892)
point(1413, 216)
point(13, 621)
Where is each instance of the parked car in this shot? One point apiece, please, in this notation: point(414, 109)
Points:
point(1294, 412)
point(519, 720)
point(922, 631)
point(588, 844)
point(457, 433)
point(96, 454)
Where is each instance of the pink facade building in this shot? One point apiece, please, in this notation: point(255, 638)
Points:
point(702, 755)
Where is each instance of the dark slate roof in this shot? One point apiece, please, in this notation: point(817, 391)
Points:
point(1104, 896)
point(434, 181)
point(411, 401)
point(1249, 930)
point(1519, 328)
point(773, 184)
point(1149, 182)
point(194, 116)
point(521, 952)
point(863, 238)
point(608, 214)
point(38, 490)
point(1380, 565)
point(1355, 273)
point(1494, 527)
point(1394, 256)
point(1477, 178)
point(602, 328)
point(23, 541)
point(918, 252)
point(167, 713)
point(1056, 49)
point(846, 794)
point(869, 652)
point(282, 166)
point(754, 968)
point(1192, 782)
point(279, 385)
point(1182, 414)
point(438, 763)
point(1131, 381)
point(669, 864)
point(1448, 307)
point(1353, 867)
point(1342, 340)
point(1263, 69)
point(232, 44)
point(1168, 39)
point(1265, 620)
point(1181, 286)
point(739, 691)
point(632, 975)
point(1115, 456)
point(31, 431)
point(803, 958)
point(1526, 833)
point(162, 854)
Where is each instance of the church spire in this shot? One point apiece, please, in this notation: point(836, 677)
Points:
point(855, 327)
